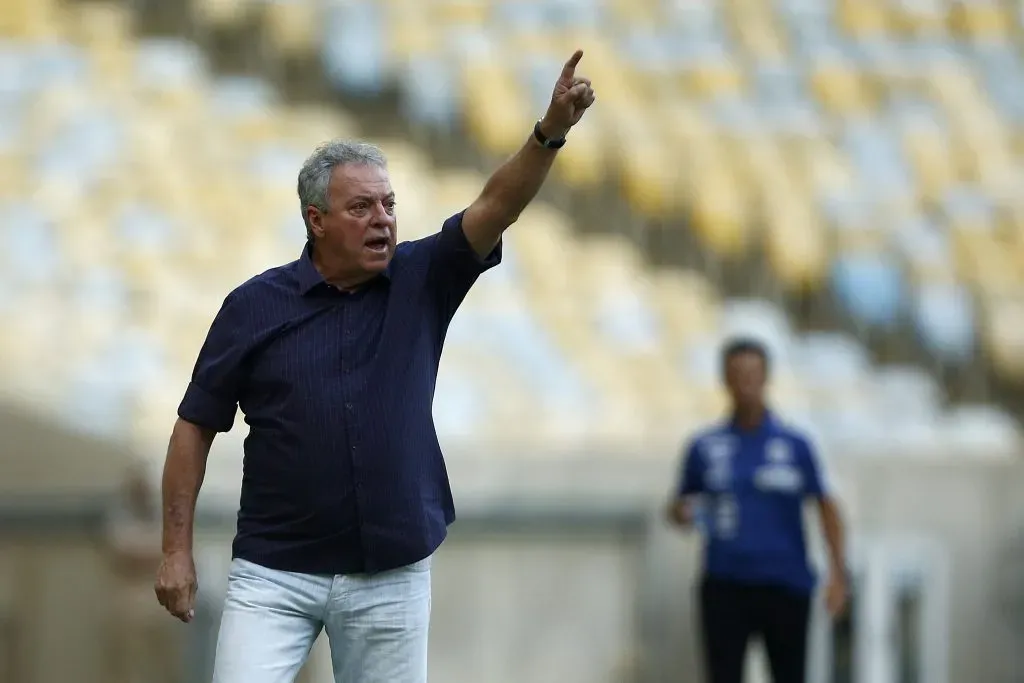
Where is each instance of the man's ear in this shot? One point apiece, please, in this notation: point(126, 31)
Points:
point(315, 220)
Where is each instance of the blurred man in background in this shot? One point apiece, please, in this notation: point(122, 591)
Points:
point(753, 474)
point(333, 359)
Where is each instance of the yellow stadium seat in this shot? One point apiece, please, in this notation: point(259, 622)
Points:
point(839, 87)
point(763, 167)
point(100, 24)
point(289, 25)
point(919, 19)
point(410, 36)
point(497, 115)
point(13, 178)
point(712, 78)
point(583, 164)
point(1005, 334)
point(863, 18)
point(820, 168)
point(719, 212)
point(687, 304)
point(985, 20)
point(928, 151)
point(762, 42)
point(649, 177)
point(461, 12)
point(797, 247)
point(32, 20)
point(223, 13)
point(636, 12)
point(982, 260)
point(455, 190)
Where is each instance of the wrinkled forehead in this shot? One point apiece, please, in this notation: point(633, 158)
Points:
point(369, 181)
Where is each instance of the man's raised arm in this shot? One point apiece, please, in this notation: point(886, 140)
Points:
point(517, 181)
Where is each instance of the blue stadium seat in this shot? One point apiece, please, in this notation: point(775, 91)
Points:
point(625, 319)
point(274, 164)
point(353, 47)
point(101, 291)
point(430, 95)
point(54, 64)
point(144, 228)
point(828, 359)
point(31, 247)
point(944, 318)
point(162, 64)
point(876, 156)
point(240, 96)
point(870, 286)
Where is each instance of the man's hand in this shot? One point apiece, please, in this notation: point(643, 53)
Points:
point(572, 96)
point(835, 595)
point(680, 513)
point(176, 585)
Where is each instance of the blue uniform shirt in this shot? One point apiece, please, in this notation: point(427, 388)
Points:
point(753, 484)
point(342, 471)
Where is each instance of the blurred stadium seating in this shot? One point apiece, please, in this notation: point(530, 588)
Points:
point(869, 147)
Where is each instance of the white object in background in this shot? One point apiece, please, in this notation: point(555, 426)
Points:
point(874, 662)
point(318, 666)
point(756, 670)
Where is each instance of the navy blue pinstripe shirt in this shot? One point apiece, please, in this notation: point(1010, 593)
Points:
point(342, 472)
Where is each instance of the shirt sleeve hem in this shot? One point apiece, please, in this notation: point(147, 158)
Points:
point(201, 407)
point(464, 249)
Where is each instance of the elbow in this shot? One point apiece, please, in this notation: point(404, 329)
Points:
point(192, 432)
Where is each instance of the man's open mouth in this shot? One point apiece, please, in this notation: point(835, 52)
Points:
point(378, 245)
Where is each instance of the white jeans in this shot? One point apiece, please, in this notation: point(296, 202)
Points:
point(377, 624)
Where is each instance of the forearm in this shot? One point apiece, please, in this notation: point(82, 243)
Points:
point(183, 475)
point(835, 536)
point(516, 182)
point(508, 191)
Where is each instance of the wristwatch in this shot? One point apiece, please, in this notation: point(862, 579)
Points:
point(544, 140)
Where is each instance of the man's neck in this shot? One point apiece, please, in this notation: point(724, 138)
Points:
point(749, 417)
point(337, 273)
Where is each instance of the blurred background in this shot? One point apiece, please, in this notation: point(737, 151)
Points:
point(840, 178)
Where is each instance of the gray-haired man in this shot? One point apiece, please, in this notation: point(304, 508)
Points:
point(333, 359)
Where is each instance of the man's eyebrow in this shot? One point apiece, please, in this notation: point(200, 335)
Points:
point(371, 198)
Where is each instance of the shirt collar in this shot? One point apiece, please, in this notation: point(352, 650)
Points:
point(767, 424)
point(309, 277)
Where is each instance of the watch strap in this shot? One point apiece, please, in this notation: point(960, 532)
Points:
point(544, 140)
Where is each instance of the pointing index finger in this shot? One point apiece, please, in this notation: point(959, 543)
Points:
point(570, 66)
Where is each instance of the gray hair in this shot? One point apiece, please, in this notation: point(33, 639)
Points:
point(315, 175)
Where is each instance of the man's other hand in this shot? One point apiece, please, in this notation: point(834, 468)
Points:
point(680, 513)
point(836, 596)
point(176, 585)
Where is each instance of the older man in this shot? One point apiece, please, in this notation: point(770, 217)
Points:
point(333, 359)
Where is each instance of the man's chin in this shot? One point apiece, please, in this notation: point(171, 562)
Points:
point(376, 263)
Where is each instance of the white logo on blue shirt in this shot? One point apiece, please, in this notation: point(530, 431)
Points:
point(779, 475)
point(778, 452)
point(719, 454)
